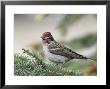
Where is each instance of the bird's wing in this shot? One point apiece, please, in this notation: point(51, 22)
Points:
point(58, 49)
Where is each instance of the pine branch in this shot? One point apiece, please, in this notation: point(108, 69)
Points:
point(28, 64)
point(33, 55)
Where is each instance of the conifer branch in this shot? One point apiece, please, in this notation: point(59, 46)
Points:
point(35, 66)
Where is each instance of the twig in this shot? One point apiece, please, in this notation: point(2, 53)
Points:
point(29, 53)
point(33, 55)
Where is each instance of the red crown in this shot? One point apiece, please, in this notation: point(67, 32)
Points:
point(46, 33)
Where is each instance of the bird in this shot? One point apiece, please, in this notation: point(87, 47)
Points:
point(57, 52)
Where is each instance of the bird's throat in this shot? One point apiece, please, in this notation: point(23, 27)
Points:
point(45, 42)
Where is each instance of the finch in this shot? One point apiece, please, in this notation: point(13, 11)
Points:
point(57, 52)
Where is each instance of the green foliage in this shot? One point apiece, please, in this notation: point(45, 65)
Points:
point(87, 41)
point(94, 56)
point(67, 21)
point(40, 17)
point(28, 64)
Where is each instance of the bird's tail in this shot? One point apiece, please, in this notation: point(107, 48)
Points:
point(84, 57)
point(78, 56)
point(88, 58)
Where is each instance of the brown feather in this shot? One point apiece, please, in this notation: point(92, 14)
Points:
point(58, 49)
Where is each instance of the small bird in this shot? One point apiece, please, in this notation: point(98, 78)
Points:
point(57, 52)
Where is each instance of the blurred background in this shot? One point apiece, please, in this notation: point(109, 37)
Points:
point(76, 31)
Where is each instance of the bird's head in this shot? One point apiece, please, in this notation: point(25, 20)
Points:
point(47, 37)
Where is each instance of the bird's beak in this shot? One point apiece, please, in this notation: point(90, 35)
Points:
point(42, 37)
